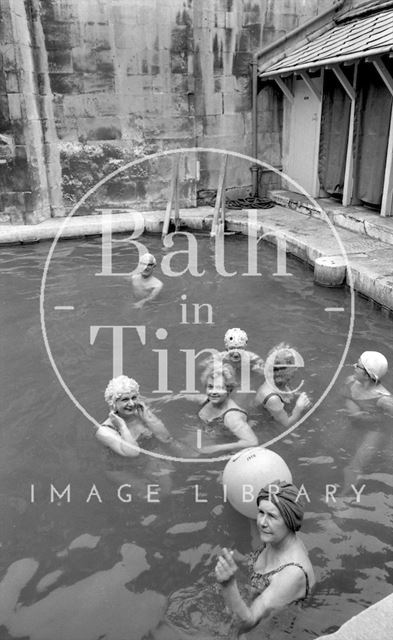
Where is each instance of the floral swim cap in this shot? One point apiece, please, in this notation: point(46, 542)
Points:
point(117, 386)
point(235, 338)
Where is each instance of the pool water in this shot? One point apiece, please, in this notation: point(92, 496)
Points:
point(97, 566)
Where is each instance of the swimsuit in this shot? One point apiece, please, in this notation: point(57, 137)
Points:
point(260, 581)
point(219, 421)
point(271, 395)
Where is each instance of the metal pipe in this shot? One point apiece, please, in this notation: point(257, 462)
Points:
point(254, 125)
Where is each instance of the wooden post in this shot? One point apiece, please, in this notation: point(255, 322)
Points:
point(173, 197)
point(387, 193)
point(219, 208)
point(351, 92)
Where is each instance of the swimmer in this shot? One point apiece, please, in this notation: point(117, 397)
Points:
point(129, 420)
point(369, 406)
point(364, 394)
point(146, 287)
point(280, 571)
point(274, 397)
point(222, 414)
point(243, 361)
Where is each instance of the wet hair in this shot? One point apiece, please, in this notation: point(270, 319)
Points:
point(216, 369)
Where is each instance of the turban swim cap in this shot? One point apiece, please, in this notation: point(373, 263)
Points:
point(235, 338)
point(287, 502)
point(118, 386)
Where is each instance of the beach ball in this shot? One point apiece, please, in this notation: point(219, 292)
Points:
point(247, 472)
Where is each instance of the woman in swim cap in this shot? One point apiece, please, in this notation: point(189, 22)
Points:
point(365, 395)
point(275, 393)
point(130, 420)
point(247, 366)
point(280, 570)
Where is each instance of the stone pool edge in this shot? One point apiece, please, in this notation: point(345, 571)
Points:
point(374, 622)
point(307, 238)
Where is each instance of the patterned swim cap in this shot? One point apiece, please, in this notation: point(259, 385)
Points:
point(117, 386)
point(235, 338)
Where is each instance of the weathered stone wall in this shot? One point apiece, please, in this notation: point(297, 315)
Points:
point(114, 80)
point(23, 179)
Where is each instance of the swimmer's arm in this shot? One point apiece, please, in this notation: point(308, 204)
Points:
point(276, 409)
point(155, 425)
point(124, 444)
point(239, 426)
point(386, 405)
point(287, 586)
point(154, 291)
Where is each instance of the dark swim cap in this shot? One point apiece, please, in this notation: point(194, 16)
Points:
point(284, 496)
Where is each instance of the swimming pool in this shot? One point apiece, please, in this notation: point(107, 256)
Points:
point(109, 567)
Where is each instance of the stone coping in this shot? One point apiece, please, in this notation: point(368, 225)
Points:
point(354, 218)
point(306, 237)
point(375, 622)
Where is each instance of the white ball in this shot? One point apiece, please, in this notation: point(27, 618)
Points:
point(247, 472)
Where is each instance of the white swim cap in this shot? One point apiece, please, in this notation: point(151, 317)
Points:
point(117, 386)
point(374, 363)
point(147, 258)
point(235, 338)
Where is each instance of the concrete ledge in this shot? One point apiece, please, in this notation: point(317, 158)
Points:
point(375, 623)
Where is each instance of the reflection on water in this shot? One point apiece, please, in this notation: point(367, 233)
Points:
point(110, 563)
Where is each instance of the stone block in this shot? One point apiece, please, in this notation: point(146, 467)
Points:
point(236, 102)
point(9, 62)
point(12, 82)
point(96, 36)
point(96, 83)
point(254, 31)
point(83, 60)
point(104, 128)
point(103, 104)
point(66, 83)
point(58, 35)
point(76, 106)
point(60, 61)
point(6, 28)
point(104, 62)
point(179, 62)
point(241, 64)
point(14, 106)
point(4, 112)
point(243, 41)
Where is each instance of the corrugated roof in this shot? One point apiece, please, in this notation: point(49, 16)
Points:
point(372, 35)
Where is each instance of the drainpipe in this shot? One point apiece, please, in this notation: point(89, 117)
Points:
point(254, 88)
point(254, 126)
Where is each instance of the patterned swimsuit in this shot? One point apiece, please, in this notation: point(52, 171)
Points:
point(260, 581)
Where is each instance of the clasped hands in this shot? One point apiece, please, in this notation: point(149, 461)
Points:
point(226, 567)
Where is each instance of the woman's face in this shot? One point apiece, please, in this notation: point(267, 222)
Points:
point(270, 523)
point(360, 372)
point(126, 404)
point(216, 389)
